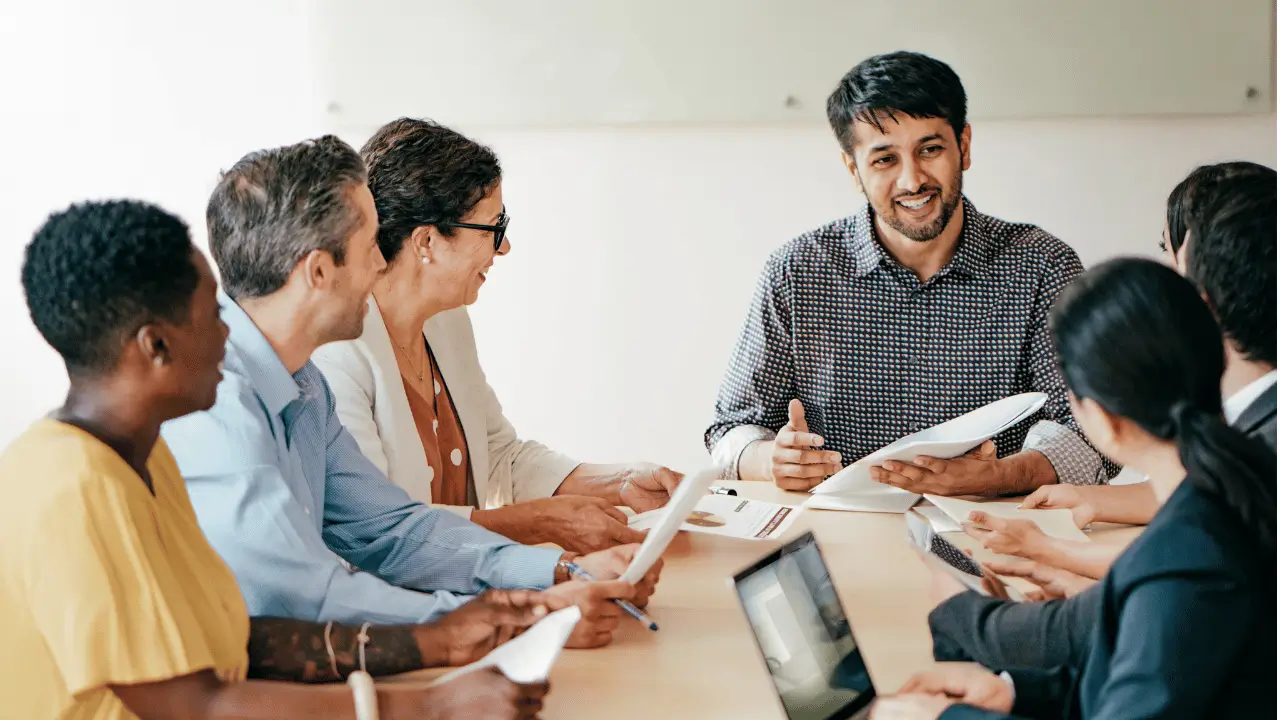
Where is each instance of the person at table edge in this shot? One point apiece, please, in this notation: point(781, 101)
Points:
point(909, 313)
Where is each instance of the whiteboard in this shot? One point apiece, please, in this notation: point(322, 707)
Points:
point(567, 63)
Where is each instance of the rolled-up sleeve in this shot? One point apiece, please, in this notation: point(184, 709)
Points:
point(1057, 436)
point(760, 381)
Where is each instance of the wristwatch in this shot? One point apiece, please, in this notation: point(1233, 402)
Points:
point(564, 567)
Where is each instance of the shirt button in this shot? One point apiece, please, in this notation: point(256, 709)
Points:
point(306, 510)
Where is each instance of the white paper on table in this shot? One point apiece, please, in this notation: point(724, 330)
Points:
point(940, 521)
point(528, 657)
point(881, 499)
point(730, 516)
point(1054, 523)
point(670, 517)
point(947, 440)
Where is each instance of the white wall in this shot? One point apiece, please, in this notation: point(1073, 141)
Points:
point(606, 331)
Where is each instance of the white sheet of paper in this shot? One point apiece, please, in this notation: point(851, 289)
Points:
point(947, 440)
point(731, 516)
point(940, 521)
point(528, 657)
point(1054, 523)
point(879, 500)
point(671, 516)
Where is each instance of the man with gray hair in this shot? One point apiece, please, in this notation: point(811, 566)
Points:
point(280, 488)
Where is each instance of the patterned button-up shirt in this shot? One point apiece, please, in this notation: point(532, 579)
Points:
point(875, 354)
point(284, 495)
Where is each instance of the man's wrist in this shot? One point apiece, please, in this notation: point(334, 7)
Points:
point(1023, 472)
point(563, 573)
point(432, 645)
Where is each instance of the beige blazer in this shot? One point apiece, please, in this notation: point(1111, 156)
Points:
point(365, 381)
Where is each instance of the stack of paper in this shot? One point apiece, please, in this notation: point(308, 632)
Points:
point(528, 657)
point(1054, 523)
point(853, 489)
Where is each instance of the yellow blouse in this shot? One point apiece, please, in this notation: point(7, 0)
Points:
point(102, 583)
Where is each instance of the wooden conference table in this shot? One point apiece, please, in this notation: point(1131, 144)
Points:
point(703, 662)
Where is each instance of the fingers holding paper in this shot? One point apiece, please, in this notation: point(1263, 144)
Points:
point(484, 694)
point(975, 473)
point(1054, 582)
point(1007, 536)
point(796, 461)
point(611, 563)
point(600, 615)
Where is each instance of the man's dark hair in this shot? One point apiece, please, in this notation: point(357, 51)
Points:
point(422, 173)
point(275, 206)
point(1184, 203)
point(97, 272)
point(900, 82)
point(1232, 259)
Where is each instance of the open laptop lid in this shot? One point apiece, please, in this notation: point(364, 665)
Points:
point(803, 634)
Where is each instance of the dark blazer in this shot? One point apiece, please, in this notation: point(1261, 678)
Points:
point(1186, 629)
point(999, 633)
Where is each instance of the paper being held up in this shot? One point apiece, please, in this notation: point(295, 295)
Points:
point(953, 438)
point(528, 657)
point(1054, 523)
point(670, 517)
point(729, 515)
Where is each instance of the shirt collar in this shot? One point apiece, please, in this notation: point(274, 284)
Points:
point(259, 361)
point(973, 254)
point(1234, 406)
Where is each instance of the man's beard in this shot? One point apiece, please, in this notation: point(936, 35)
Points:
point(925, 233)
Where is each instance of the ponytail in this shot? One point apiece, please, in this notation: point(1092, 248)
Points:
point(1231, 466)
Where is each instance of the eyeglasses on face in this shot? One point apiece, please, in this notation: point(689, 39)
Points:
point(499, 230)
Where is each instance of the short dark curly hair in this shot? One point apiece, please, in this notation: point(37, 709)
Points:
point(1232, 258)
point(898, 82)
point(422, 173)
point(98, 271)
point(275, 206)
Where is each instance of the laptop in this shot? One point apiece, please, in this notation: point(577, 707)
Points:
point(803, 634)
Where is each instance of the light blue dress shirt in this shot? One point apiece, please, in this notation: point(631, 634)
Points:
point(284, 495)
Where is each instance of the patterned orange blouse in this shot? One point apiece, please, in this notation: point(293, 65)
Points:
point(443, 441)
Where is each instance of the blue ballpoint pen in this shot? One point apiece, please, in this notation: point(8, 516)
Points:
point(627, 607)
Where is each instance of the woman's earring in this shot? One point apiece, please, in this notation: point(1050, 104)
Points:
point(426, 260)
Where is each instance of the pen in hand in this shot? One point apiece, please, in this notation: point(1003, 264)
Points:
point(635, 612)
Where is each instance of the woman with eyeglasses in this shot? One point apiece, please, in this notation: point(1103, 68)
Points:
point(411, 389)
point(1187, 616)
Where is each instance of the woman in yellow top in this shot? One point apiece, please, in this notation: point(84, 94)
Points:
point(112, 603)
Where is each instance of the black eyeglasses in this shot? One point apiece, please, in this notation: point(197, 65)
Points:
point(499, 230)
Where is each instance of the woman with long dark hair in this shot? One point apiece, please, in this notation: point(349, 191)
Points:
point(1188, 623)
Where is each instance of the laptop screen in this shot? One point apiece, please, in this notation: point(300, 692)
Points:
point(803, 634)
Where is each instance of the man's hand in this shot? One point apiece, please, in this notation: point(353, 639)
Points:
point(600, 615)
point(1054, 582)
point(611, 563)
point(795, 462)
point(471, 631)
point(574, 522)
point(1007, 536)
point(979, 472)
point(647, 486)
point(480, 695)
point(967, 683)
point(1062, 497)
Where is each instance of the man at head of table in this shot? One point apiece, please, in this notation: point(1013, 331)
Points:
point(914, 310)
